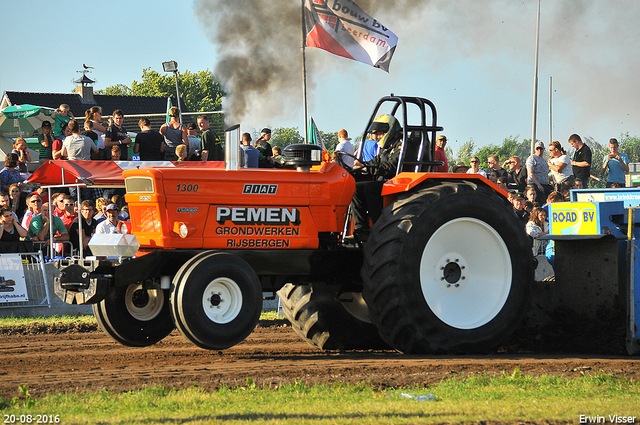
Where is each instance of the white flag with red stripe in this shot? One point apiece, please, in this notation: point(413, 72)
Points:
point(342, 28)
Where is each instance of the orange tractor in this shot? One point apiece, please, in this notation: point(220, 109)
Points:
point(447, 267)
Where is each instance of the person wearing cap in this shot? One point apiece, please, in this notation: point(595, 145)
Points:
point(210, 145)
point(538, 172)
point(194, 142)
point(441, 142)
point(344, 145)
point(367, 199)
point(264, 147)
point(46, 141)
point(110, 225)
point(518, 208)
point(460, 167)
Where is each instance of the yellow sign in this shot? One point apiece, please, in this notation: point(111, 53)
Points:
point(573, 218)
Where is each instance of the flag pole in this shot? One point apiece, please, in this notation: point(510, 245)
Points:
point(304, 75)
point(535, 86)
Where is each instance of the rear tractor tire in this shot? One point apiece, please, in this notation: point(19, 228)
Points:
point(448, 268)
point(327, 323)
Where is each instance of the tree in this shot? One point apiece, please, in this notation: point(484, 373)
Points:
point(283, 136)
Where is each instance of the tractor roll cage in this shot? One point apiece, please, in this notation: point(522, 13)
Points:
point(418, 140)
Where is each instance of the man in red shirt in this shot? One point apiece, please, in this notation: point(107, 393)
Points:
point(441, 142)
point(69, 211)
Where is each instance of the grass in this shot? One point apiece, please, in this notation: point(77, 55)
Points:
point(510, 398)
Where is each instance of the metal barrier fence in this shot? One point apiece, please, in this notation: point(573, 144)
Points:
point(35, 280)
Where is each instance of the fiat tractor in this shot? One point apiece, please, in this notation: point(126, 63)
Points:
point(446, 268)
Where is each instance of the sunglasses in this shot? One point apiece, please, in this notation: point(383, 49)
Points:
point(37, 201)
point(69, 205)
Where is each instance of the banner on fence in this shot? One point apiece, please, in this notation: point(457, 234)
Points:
point(13, 286)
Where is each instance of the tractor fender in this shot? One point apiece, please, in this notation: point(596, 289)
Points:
point(406, 182)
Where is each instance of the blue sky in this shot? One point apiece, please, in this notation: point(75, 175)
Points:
point(473, 59)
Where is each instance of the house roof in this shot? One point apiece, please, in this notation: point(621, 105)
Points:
point(130, 105)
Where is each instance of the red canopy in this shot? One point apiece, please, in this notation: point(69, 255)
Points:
point(102, 173)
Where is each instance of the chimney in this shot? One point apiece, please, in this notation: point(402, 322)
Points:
point(85, 90)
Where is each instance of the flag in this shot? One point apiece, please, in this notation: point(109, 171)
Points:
point(342, 28)
point(316, 139)
point(168, 108)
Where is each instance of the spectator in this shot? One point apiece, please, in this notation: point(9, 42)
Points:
point(88, 227)
point(492, 176)
point(493, 161)
point(88, 132)
point(94, 115)
point(475, 167)
point(581, 162)
point(69, 211)
point(531, 194)
point(503, 183)
point(10, 228)
point(579, 184)
point(174, 134)
point(278, 158)
point(10, 173)
point(441, 142)
point(559, 164)
point(517, 173)
point(116, 135)
point(511, 196)
point(20, 149)
point(17, 200)
point(45, 138)
point(538, 226)
point(34, 208)
point(538, 172)
point(149, 143)
point(118, 200)
point(251, 154)
point(56, 147)
point(194, 142)
point(460, 167)
point(58, 204)
point(110, 225)
point(39, 227)
point(617, 163)
point(370, 148)
point(116, 153)
point(5, 201)
point(182, 152)
point(518, 208)
point(553, 197)
point(210, 145)
point(78, 147)
point(61, 117)
point(101, 207)
point(264, 147)
point(344, 145)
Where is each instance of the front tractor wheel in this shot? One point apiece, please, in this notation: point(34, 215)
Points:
point(448, 269)
point(135, 316)
point(216, 300)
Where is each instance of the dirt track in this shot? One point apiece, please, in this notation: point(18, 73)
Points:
point(86, 359)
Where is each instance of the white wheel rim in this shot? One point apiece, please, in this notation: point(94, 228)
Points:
point(222, 300)
point(469, 282)
point(356, 306)
point(141, 306)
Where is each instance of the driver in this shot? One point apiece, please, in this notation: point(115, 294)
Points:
point(367, 200)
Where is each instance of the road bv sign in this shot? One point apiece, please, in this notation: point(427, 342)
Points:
point(573, 218)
